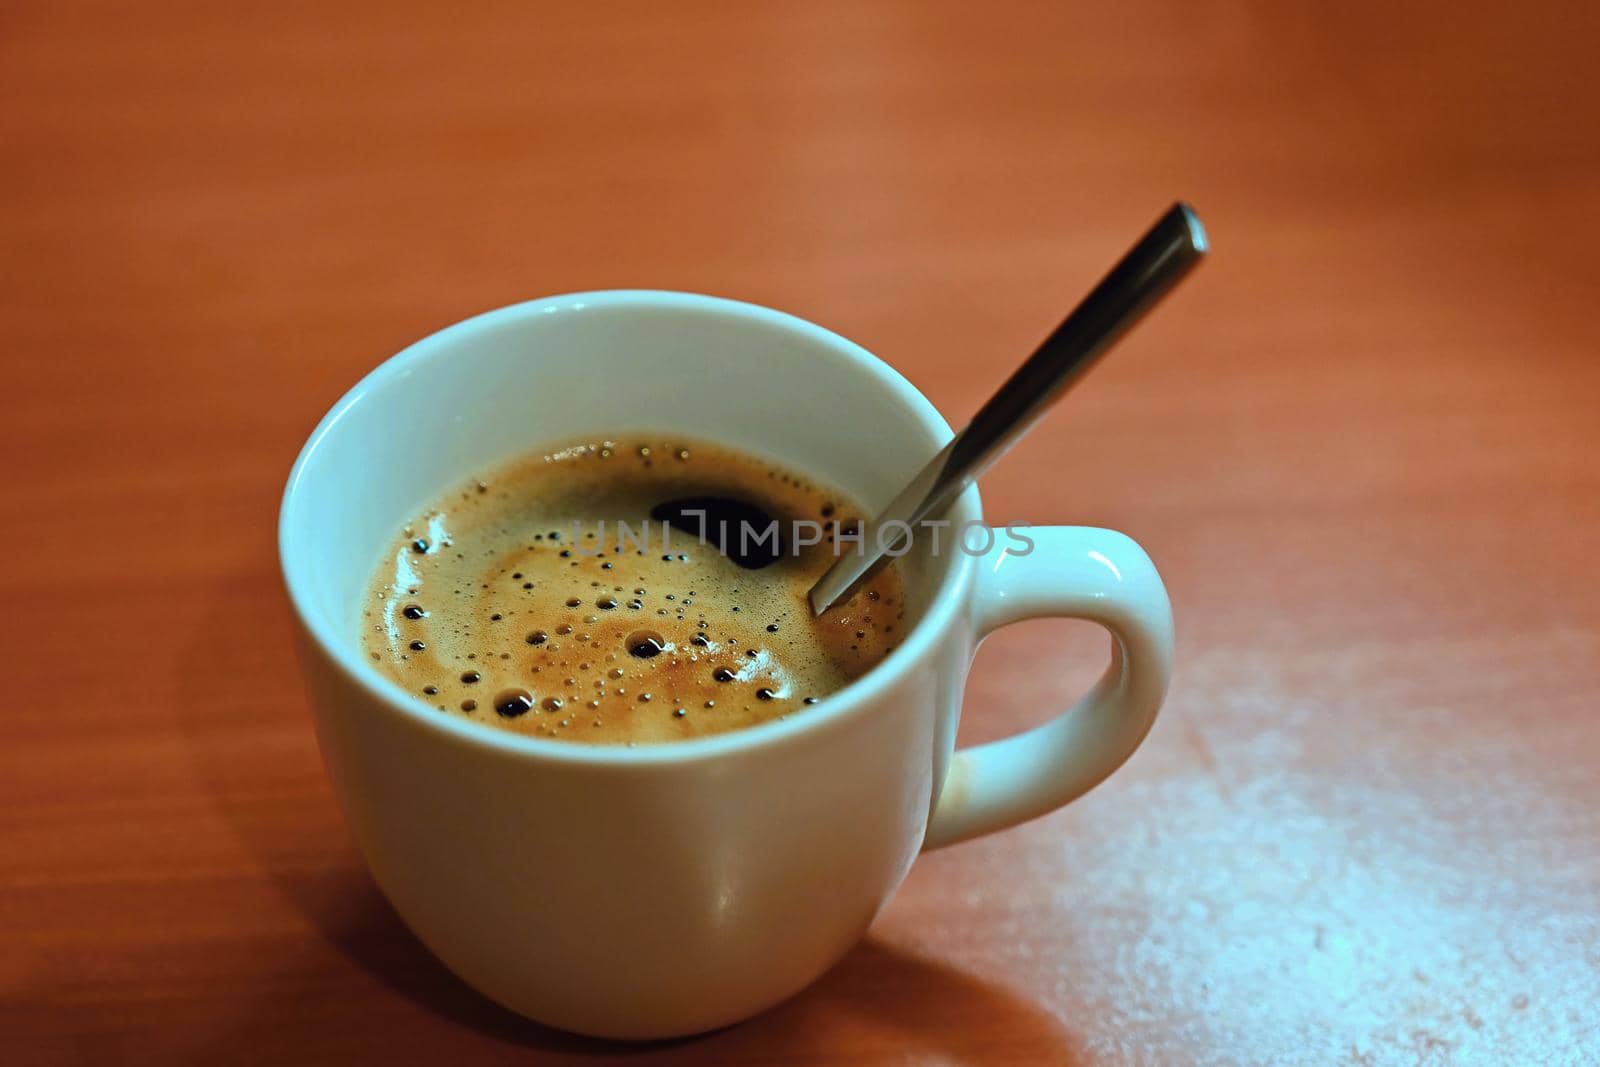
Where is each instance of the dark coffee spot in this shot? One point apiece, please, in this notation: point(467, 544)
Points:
point(420, 545)
point(538, 637)
point(810, 700)
point(553, 703)
point(736, 528)
point(573, 602)
point(418, 646)
point(430, 689)
point(471, 677)
point(606, 603)
point(413, 611)
point(772, 627)
point(723, 674)
point(469, 705)
point(765, 694)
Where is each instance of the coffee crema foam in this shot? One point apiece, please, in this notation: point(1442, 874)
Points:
point(486, 607)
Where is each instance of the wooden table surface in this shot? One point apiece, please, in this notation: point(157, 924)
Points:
point(1363, 444)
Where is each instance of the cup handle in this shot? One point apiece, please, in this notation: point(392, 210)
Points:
point(1072, 572)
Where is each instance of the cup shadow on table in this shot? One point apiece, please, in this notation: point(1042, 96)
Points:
point(894, 998)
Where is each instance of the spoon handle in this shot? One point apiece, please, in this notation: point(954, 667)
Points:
point(1150, 269)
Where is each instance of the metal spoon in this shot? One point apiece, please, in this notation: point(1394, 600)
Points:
point(1148, 272)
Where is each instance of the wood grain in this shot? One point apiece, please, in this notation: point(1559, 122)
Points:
point(1363, 444)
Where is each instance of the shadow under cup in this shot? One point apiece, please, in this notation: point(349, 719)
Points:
point(663, 889)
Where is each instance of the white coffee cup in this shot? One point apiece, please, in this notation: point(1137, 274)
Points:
point(669, 889)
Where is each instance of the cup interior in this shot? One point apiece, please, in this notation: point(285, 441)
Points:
point(588, 365)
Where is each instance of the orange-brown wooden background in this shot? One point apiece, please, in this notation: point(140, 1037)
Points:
point(1363, 443)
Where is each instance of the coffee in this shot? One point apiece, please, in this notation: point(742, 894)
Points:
point(619, 592)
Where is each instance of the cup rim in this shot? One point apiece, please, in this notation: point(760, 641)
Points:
point(949, 594)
